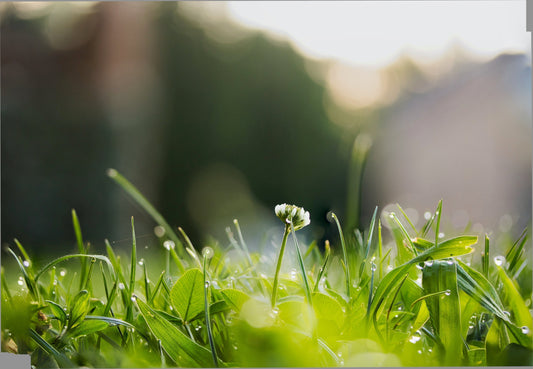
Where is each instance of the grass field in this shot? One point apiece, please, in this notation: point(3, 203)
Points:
point(405, 297)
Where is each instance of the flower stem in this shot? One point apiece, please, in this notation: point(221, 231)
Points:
point(278, 266)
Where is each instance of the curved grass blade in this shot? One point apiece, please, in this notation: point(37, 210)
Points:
point(62, 360)
point(176, 344)
point(67, 257)
point(145, 204)
point(81, 248)
point(453, 247)
point(31, 282)
point(515, 300)
point(344, 254)
point(322, 269)
point(208, 315)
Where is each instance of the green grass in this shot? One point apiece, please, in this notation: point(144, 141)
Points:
point(415, 300)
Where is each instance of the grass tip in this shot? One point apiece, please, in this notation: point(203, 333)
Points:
point(111, 172)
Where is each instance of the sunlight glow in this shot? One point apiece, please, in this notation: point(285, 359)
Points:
point(377, 33)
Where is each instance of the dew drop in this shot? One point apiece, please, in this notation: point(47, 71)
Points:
point(121, 286)
point(499, 260)
point(159, 231)
point(197, 328)
point(525, 329)
point(206, 284)
point(441, 235)
point(428, 263)
point(235, 347)
point(62, 272)
point(207, 252)
point(141, 262)
point(507, 313)
point(20, 282)
point(169, 245)
point(449, 262)
point(391, 215)
point(389, 268)
point(294, 274)
point(419, 351)
point(427, 215)
point(373, 267)
point(275, 310)
point(447, 292)
point(419, 266)
point(26, 263)
point(414, 338)
point(133, 298)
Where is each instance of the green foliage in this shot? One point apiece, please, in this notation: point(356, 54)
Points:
point(436, 303)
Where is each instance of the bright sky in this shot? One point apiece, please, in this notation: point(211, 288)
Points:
point(376, 33)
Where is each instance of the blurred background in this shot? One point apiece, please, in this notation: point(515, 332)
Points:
point(218, 110)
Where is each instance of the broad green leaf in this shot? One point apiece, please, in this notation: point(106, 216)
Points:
point(176, 344)
point(87, 327)
point(297, 314)
point(79, 308)
point(476, 357)
point(187, 294)
point(234, 297)
point(58, 311)
point(444, 309)
point(326, 307)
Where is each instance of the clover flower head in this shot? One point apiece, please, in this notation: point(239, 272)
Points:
point(293, 214)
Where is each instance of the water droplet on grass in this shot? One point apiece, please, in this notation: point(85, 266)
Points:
point(20, 282)
point(294, 274)
point(159, 231)
point(499, 260)
point(414, 338)
point(141, 262)
point(525, 329)
point(133, 298)
point(206, 284)
point(373, 267)
point(26, 263)
point(197, 328)
point(419, 266)
point(419, 351)
point(275, 310)
point(391, 215)
point(447, 292)
point(169, 245)
point(207, 252)
point(428, 263)
point(449, 262)
point(63, 272)
point(427, 215)
point(441, 235)
point(121, 286)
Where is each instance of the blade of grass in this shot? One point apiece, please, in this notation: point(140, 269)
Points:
point(438, 213)
point(344, 254)
point(145, 204)
point(133, 268)
point(322, 269)
point(444, 310)
point(67, 257)
point(81, 248)
point(485, 257)
point(368, 242)
point(62, 360)
point(208, 315)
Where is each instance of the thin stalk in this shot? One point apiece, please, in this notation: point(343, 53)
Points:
point(485, 257)
point(322, 269)
point(278, 265)
point(81, 249)
point(438, 214)
point(302, 267)
point(208, 316)
point(344, 255)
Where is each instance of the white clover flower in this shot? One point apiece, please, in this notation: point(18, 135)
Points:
point(293, 214)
